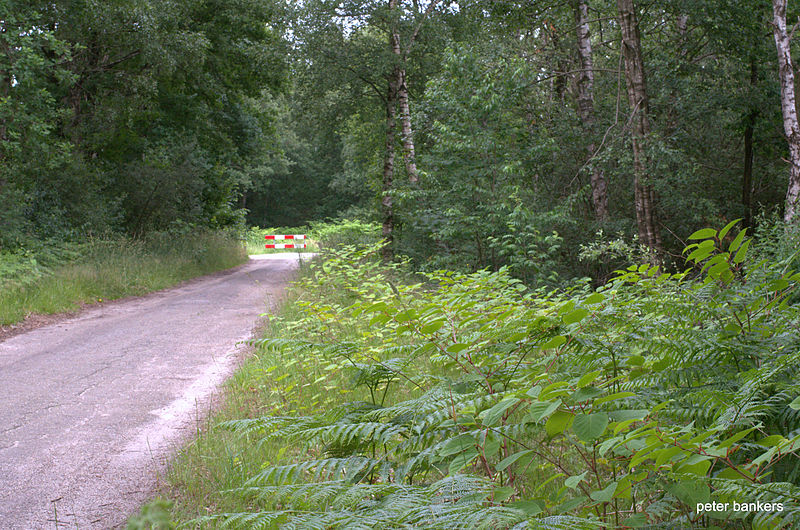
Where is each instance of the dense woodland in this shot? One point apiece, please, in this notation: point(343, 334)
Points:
point(479, 134)
point(520, 155)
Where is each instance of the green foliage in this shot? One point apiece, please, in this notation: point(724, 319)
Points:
point(55, 278)
point(347, 232)
point(624, 406)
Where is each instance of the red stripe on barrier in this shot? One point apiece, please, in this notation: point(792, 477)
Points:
point(285, 246)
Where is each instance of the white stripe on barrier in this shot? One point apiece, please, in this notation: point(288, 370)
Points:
point(298, 236)
point(281, 245)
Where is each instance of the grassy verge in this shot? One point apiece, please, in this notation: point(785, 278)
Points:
point(106, 270)
point(471, 401)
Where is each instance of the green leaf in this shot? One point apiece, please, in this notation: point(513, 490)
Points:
point(724, 231)
point(491, 416)
point(690, 492)
point(636, 521)
point(432, 327)
point(587, 379)
point(736, 437)
point(613, 397)
point(737, 241)
point(741, 254)
point(594, 298)
point(575, 316)
point(554, 342)
point(529, 507)
point(628, 414)
point(795, 405)
point(459, 444)
point(573, 481)
point(558, 422)
point(457, 347)
point(703, 233)
point(542, 409)
point(589, 427)
point(605, 494)
point(462, 460)
point(507, 461)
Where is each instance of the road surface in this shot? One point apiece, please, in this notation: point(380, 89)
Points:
point(91, 407)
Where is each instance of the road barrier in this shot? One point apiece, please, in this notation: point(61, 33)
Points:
point(285, 245)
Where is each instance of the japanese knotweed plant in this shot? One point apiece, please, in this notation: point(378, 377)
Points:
point(494, 406)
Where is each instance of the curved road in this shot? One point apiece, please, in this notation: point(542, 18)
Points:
point(91, 407)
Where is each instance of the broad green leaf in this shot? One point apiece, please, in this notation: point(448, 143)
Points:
point(558, 422)
point(587, 393)
point(491, 416)
point(503, 493)
point(605, 494)
point(573, 481)
point(741, 254)
point(459, 444)
point(665, 455)
point(613, 397)
point(521, 455)
point(589, 378)
point(594, 298)
point(542, 409)
point(636, 521)
point(457, 347)
point(589, 427)
point(724, 231)
point(575, 316)
point(690, 492)
point(529, 507)
point(554, 342)
point(736, 437)
point(737, 241)
point(405, 316)
point(628, 414)
point(432, 327)
point(703, 233)
point(462, 460)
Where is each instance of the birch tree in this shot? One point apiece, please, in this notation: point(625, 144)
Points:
point(585, 85)
point(788, 106)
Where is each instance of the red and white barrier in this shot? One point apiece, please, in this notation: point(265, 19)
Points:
point(284, 245)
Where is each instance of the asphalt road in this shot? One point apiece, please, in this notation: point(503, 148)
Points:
point(91, 407)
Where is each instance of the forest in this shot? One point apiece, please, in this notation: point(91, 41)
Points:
point(557, 285)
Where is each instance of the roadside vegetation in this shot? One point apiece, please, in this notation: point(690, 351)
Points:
point(56, 277)
point(383, 398)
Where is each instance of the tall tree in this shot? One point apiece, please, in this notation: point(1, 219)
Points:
point(644, 192)
point(788, 107)
point(585, 85)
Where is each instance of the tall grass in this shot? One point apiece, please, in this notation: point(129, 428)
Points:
point(110, 269)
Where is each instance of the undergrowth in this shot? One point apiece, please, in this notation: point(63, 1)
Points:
point(470, 401)
point(57, 278)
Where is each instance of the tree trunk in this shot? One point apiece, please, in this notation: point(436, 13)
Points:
point(644, 194)
point(406, 132)
point(387, 209)
point(586, 106)
point(747, 176)
point(790, 125)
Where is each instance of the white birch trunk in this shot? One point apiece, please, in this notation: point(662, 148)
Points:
point(788, 106)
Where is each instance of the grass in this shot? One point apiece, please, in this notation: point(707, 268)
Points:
point(266, 384)
point(106, 270)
